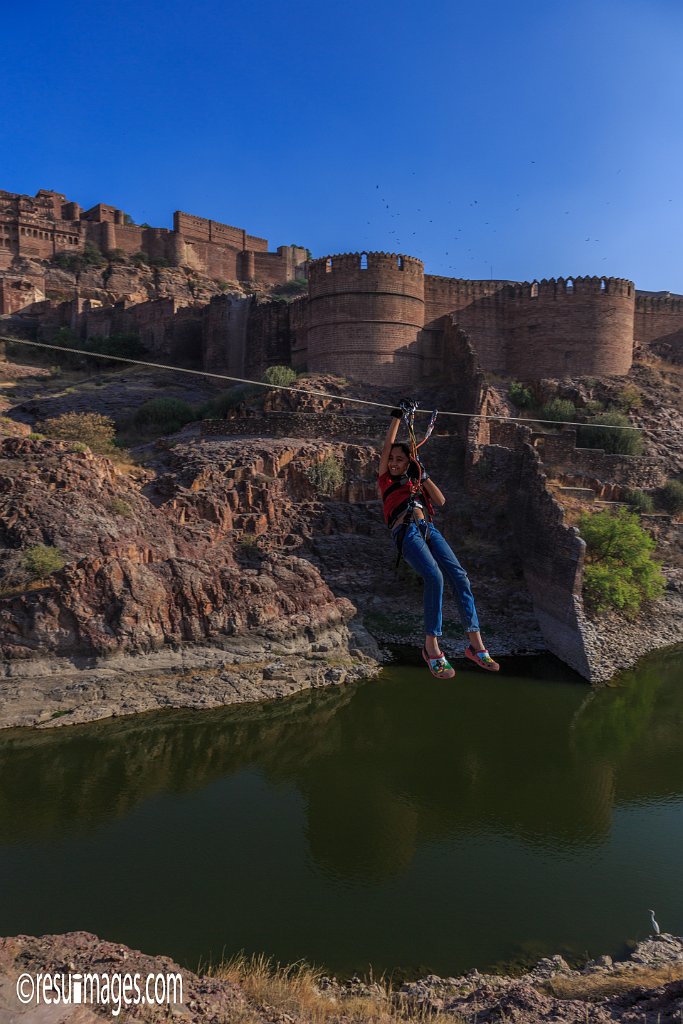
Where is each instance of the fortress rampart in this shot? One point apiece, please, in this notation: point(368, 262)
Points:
point(659, 318)
point(365, 315)
point(41, 226)
point(378, 311)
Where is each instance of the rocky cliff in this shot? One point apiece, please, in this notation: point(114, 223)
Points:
point(159, 580)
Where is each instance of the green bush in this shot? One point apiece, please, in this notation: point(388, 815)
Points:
point(127, 345)
point(619, 439)
point(158, 261)
point(326, 476)
point(41, 560)
point(79, 446)
point(520, 395)
point(561, 410)
point(620, 571)
point(638, 500)
point(628, 398)
point(87, 427)
point(279, 375)
point(671, 496)
point(68, 261)
point(165, 415)
point(116, 255)
point(217, 408)
point(92, 256)
point(140, 259)
point(120, 507)
point(35, 436)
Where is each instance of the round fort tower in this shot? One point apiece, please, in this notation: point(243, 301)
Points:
point(569, 327)
point(366, 311)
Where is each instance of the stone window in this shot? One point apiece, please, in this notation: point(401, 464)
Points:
point(569, 285)
point(363, 261)
point(533, 294)
point(328, 266)
point(603, 285)
point(400, 263)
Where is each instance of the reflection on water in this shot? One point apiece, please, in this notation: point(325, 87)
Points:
point(404, 822)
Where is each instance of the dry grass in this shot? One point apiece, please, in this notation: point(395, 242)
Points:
point(598, 986)
point(274, 990)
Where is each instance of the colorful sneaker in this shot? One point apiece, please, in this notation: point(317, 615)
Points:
point(482, 658)
point(439, 667)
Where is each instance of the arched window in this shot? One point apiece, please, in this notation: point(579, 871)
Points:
point(328, 266)
point(363, 261)
point(534, 290)
point(569, 285)
point(400, 263)
point(603, 285)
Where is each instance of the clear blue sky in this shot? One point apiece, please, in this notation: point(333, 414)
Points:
point(493, 139)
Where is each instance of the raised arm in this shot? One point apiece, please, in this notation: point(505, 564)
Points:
point(392, 431)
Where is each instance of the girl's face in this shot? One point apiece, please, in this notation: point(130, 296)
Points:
point(398, 462)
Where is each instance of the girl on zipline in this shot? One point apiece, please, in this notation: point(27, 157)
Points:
point(409, 495)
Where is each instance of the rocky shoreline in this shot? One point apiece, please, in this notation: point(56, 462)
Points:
point(647, 988)
point(50, 693)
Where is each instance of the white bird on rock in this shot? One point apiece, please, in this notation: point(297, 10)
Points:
point(655, 927)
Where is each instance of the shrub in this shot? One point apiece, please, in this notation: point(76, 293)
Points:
point(279, 375)
point(92, 256)
point(120, 507)
point(140, 259)
point(88, 427)
point(290, 289)
point(326, 476)
point(671, 496)
point(116, 255)
point(618, 439)
point(520, 395)
point(68, 261)
point(163, 414)
point(35, 436)
point(628, 398)
point(79, 446)
point(41, 560)
point(218, 407)
point(561, 410)
point(157, 261)
point(127, 345)
point(638, 500)
point(128, 220)
point(620, 571)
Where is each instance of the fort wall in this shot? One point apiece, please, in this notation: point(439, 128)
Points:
point(659, 324)
point(569, 327)
point(366, 312)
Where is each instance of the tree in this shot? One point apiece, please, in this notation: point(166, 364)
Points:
point(620, 571)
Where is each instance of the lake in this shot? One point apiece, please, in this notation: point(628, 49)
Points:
point(407, 823)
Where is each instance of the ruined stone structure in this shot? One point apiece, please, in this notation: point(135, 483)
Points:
point(41, 226)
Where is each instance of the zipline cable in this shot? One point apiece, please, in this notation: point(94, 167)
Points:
point(323, 394)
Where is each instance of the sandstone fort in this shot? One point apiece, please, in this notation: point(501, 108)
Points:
point(207, 293)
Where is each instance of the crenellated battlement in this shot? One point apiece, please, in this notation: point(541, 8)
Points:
point(559, 287)
point(659, 303)
point(352, 262)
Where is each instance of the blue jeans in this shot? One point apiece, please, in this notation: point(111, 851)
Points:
point(432, 561)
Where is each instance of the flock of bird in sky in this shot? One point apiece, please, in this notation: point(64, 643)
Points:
point(405, 237)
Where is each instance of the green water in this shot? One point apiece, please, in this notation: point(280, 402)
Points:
point(404, 823)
